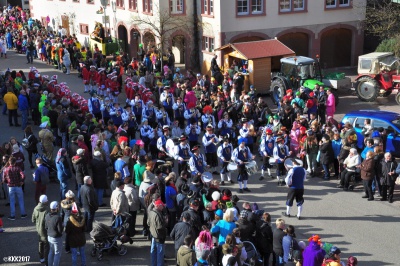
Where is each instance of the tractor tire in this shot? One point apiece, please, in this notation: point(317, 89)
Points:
point(397, 97)
point(278, 90)
point(367, 89)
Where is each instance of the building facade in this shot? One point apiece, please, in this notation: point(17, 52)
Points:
point(331, 29)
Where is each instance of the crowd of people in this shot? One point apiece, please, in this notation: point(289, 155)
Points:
point(143, 116)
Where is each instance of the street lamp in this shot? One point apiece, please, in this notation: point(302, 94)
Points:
point(104, 3)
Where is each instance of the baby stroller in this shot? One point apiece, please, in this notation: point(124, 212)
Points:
point(253, 257)
point(106, 239)
point(49, 165)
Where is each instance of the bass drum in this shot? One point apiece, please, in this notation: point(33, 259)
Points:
point(170, 146)
point(272, 161)
point(251, 167)
point(206, 177)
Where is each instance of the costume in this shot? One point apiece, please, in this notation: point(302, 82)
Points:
point(266, 151)
point(197, 163)
point(295, 181)
point(210, 140)
point(242, 155)
point(224, 152)
point(94, 105)
point(193, 131)
point(182, 153)
point(280, 153)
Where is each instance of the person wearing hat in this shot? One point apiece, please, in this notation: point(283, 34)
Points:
point(280, 153)
point(182, 153)
point(295, 181)
point(298, 100)
point(75, 232)
point(47, 139)
point(267, 149)
point(197, 163)
point(158, 231)
point(276, 124)
point(225, 124)
point(191, 110)
point(333, 257)
point(55, 228)
point(195, 216)
point(146, 133)
point(94, 105)
point(129, 119)
point(38, 218)
point(99, 174)
point(149, 112)
point(224, 152)
point(247, 131)
point(314, 254)
point(163, 117)
point(241, 155)
point(162, 141)
point(164, 97)
point(193, 132)
point(208, 118)
point(105, 109)
point(116, 114)
point(210, 141)
point(179, 110)
point(89, 78)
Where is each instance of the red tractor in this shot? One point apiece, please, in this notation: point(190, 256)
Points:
point(378, 75)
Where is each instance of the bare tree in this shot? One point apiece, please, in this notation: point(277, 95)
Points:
point(382, 18)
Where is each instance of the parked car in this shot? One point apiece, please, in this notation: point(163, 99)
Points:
point(388, 120)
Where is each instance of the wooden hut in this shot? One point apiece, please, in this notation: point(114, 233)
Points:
point(258, 58)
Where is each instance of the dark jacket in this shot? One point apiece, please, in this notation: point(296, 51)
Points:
point(66, 207)
point(75, 230)
point(99, 170)
point(179, 232)
point(326, 153)
point(80, 166)
point(264, 237)
point(247, 230)
point(54, 224)
point(277, 238)
point(384, 168)
point(368, 169)
point(89, 198)
point(157, 225)
point(179, 183)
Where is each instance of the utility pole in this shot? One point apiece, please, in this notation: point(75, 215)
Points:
point(196, 38)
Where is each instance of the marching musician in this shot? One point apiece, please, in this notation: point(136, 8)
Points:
point(280, 153)
point(114, 88)
point(225, 124)
point(168, 104)
point(182, 153)
point(146, 132)
point(266, 151)
point(149, 113)
point(161, 141)
point(156, 133)
point(137, 107)
point(115, 113)
point(193, 132)
point(176, 131)
point(197, 163)
point(242, 155)
point(210, 141)
point(105, 109)
point(163, 117)
point(129, 117)
point(164, 95)
point(224, 152)
point(192, 112)
point(245, 132)
point(94, 105)
point(101, 81)
point(90, 79)
point(208, 118)
point(179, 110)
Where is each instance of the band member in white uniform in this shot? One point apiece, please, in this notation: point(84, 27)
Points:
point(182, 153)
point(197, 162)
point(242, 155)
point(210, 141)
point(280, 153)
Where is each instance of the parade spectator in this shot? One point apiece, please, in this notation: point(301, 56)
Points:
point(89, 202)
point(387, 176)
point(367, 168)
point(55, 228)
point(99, 173)
point(14, 177)
point(38, 218)
point(11, 102)
point(158, 230)
point(75, 230)
point(41, 179)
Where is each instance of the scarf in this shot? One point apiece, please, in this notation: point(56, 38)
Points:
point(61, 152)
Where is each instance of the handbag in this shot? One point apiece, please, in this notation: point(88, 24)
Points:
point(290, 256)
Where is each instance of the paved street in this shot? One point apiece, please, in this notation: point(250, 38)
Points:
point(367, 230)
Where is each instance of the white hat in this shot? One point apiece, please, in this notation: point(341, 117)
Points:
point(97, 154)
point(53, 205)
point(15, 148)
point(69, 194)
point(45, 92)
point(44, 124)
point(106, 99)
point(80, 151)
point(43, 199)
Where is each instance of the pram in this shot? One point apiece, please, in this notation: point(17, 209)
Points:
point(253, 257)
point(106, 238)
point(49, 165)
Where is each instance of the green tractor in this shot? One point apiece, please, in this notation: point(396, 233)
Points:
point(297, 71)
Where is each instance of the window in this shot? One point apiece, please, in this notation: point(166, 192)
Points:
point(250, 7)
point(287, 6)
point(120, 3)
point(75, 1)
point(84, 29)
point(211, 7)
point(90, 1)
point(337, 3)
point(207, 7)
point(176, 6)
point(208, 44)
point(242, 7)
point(133, 5)
point(148, 6)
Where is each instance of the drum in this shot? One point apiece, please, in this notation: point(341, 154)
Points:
point(251, 167)
point(206, 177)
point(272, 161)
point(289, 163)
point(170, 146)
point(232, 166)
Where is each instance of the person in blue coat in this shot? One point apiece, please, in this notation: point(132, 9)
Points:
point(63, 172)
